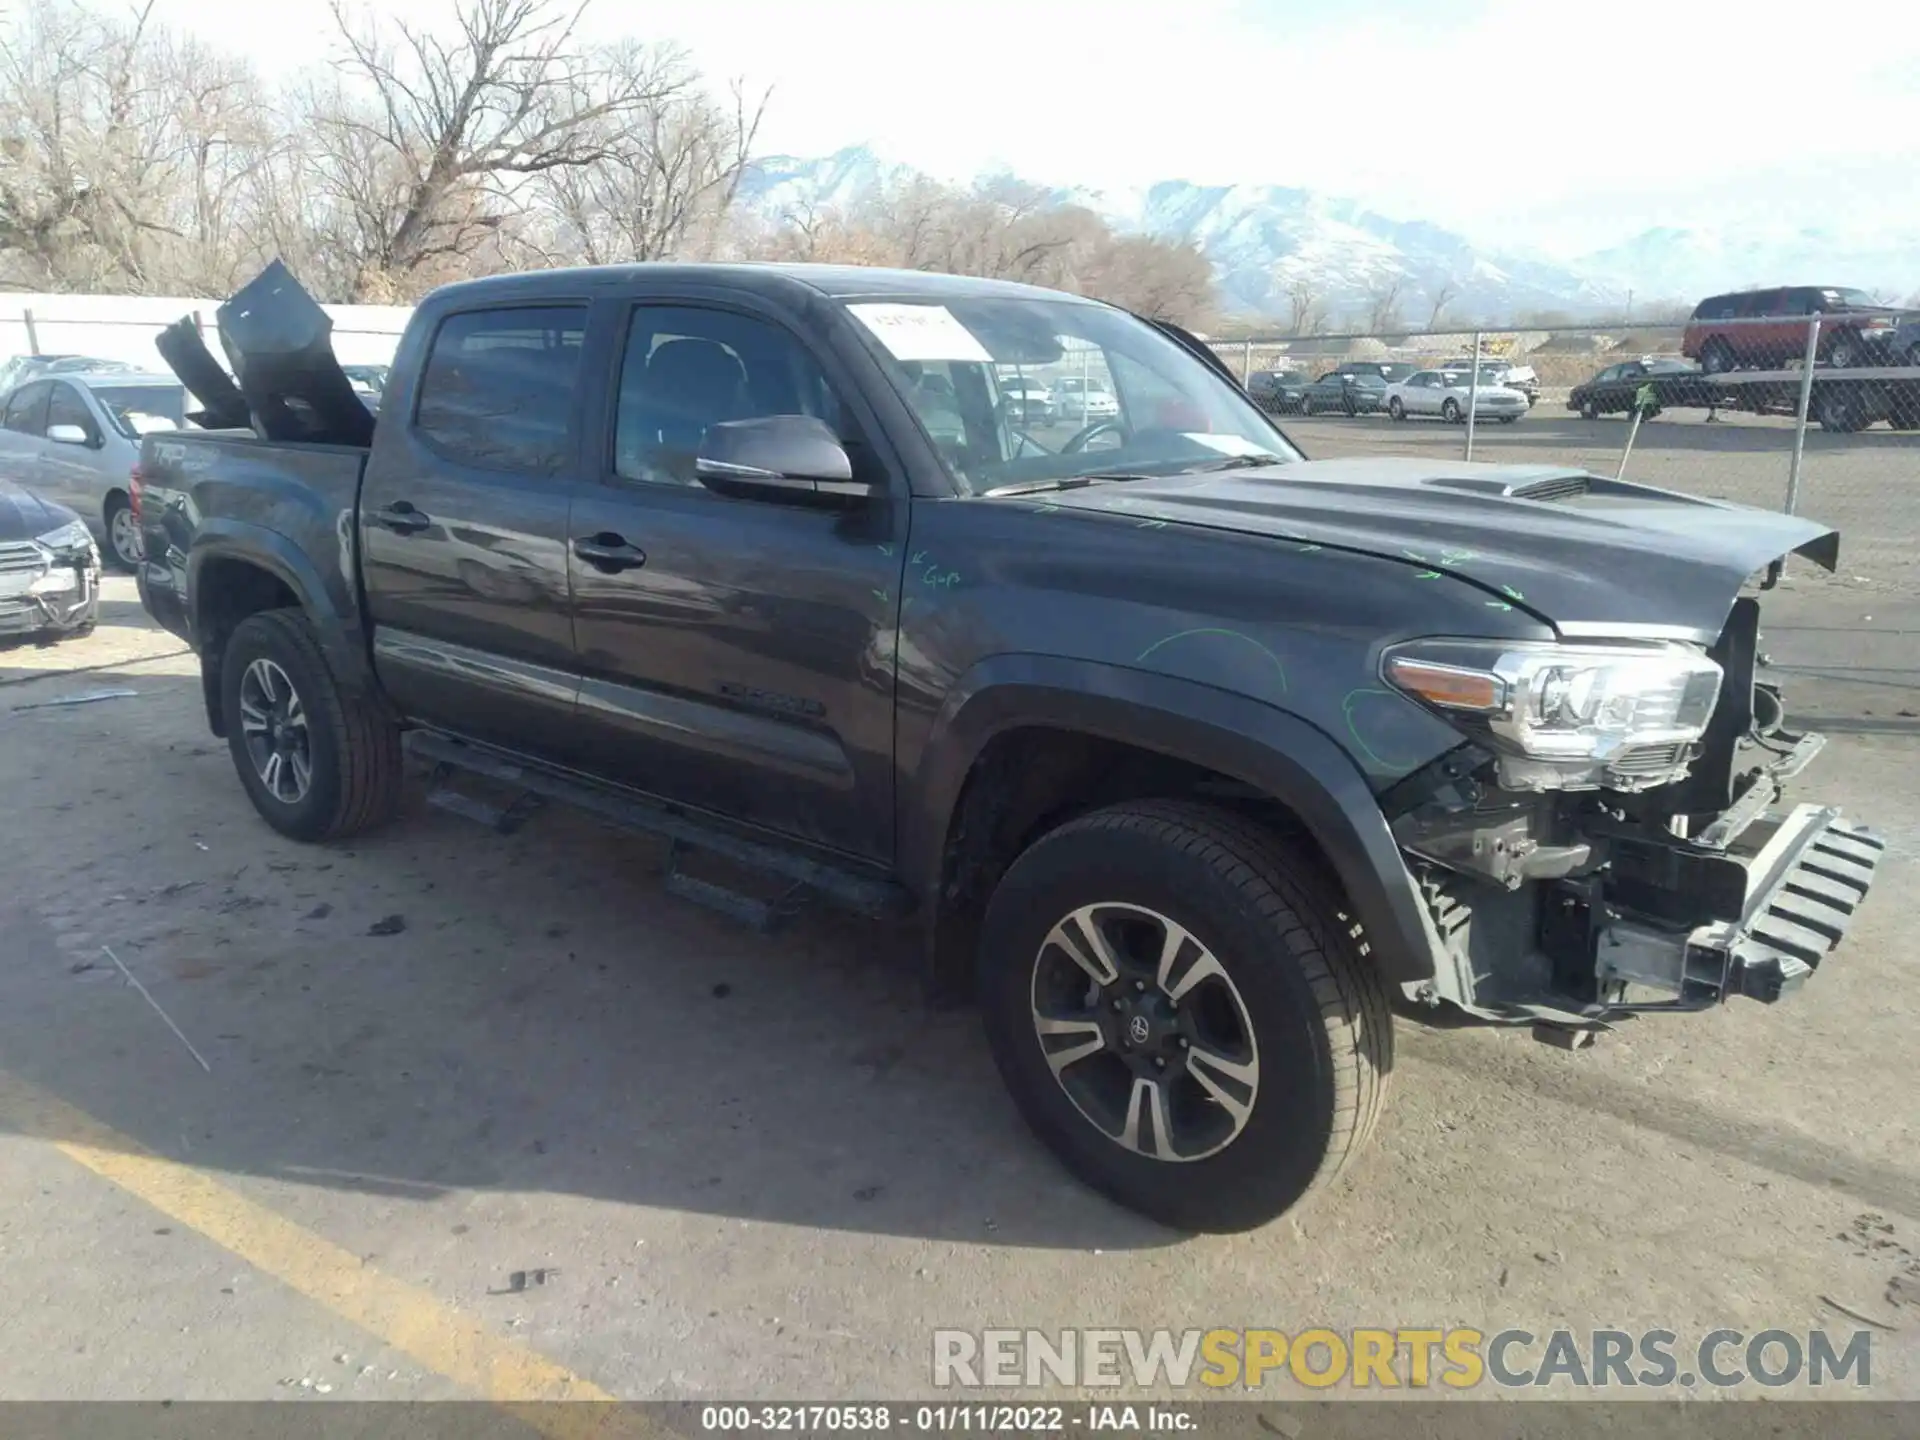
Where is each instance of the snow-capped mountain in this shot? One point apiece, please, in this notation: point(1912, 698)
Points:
point(1274, 248)
point(1269, 243)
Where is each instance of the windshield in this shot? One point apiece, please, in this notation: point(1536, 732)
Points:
point(1850, 297)
point(958, 363)
point(138, 409)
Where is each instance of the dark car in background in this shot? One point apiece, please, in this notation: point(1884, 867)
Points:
point(49, 569)
point(1903, 346)
point(1388, 371)
point(1767, 329)
point(1674, 382)
point(1348, 393)
point(1278, 392)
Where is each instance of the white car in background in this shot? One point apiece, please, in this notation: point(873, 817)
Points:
point(1500, 372)
point(73, 439)
point(1445, 395)
point(1078, 397)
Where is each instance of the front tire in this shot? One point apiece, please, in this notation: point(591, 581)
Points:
point(1716, 357)
point(1589, 410)
point(1395, 409)
point(124, 547)
point(1210, 937)
point(1450, 412)
point(317, 763)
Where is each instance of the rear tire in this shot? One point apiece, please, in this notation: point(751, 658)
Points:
point(1291, 1000)
point(1450, 412)
point(340, 761)
point(1840, 414)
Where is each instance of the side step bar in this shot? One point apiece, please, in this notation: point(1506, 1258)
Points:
point(862, 894)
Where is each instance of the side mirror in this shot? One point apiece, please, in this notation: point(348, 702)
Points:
point(791, 458)
point(66, 435)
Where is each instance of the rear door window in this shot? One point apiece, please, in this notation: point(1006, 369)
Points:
point(500, 388)
point(26, 412)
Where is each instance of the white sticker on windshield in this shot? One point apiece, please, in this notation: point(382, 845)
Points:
point(1226, 444)
point(921, 332)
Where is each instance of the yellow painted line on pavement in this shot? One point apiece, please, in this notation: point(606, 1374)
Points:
point(404, 1316)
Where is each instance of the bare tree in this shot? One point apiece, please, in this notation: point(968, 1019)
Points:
point(669, 172)
point(428, 143)
point(1306, 315)
point(1003, 228)
point(1383, 307)
point(1442, 296)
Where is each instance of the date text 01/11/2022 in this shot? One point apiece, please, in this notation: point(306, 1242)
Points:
point(946, 1419)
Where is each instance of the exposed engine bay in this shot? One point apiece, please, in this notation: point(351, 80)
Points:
point(1657, 879)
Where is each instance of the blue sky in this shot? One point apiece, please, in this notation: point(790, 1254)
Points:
point(1564, 127)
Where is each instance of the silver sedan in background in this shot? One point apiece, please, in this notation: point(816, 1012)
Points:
point(1445, 394)
point(74, 440)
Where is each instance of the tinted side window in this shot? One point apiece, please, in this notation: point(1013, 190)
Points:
point(67, 408)
point(499, 388)
point(686, 369)
point(27, 409)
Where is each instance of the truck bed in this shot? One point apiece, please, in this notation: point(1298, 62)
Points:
point(295, 503)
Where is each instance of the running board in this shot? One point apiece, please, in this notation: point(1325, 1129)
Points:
point(501, 819)
point(864, 895)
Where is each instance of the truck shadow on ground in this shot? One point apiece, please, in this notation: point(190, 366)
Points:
point(546, 1018)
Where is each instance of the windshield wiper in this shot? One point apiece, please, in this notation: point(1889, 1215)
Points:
point(1235, 462)
point(1062, 482)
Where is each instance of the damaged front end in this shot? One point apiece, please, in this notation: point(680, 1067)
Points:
point(1610, 842)
point(50, 585)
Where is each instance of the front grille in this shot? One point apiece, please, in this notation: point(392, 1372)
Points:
point(20, 556)
point(1648, 759)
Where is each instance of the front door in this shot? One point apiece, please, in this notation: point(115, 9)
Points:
point(736, 655)
point(70, 473)
point(464, 524)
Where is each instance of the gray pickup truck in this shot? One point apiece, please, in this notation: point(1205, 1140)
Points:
point(1195, 759)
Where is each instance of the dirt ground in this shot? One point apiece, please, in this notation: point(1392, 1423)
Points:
point(499, 1116)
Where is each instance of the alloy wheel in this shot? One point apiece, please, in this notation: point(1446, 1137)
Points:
point(123, 534)
point(1145, 1031)
point(273, 723)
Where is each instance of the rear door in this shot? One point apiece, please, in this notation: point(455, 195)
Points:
point(23, 431)
point(739, 657)
point(464, 522)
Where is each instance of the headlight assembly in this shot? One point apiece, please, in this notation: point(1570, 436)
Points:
point(1618, 716)
point(74, 535)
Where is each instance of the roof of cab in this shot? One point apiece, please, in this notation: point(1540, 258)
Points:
point(838, 281)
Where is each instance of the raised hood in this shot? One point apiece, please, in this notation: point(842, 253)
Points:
point(1588, 555)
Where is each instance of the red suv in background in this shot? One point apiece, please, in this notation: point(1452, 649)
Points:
point(1767, 329)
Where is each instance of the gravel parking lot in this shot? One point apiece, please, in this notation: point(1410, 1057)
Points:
point(498, 1116)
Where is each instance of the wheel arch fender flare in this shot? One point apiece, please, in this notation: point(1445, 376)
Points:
point(263, 549)
point(1272, 750)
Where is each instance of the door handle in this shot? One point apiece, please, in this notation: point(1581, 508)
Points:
point(609, 552)
point(401, 518)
